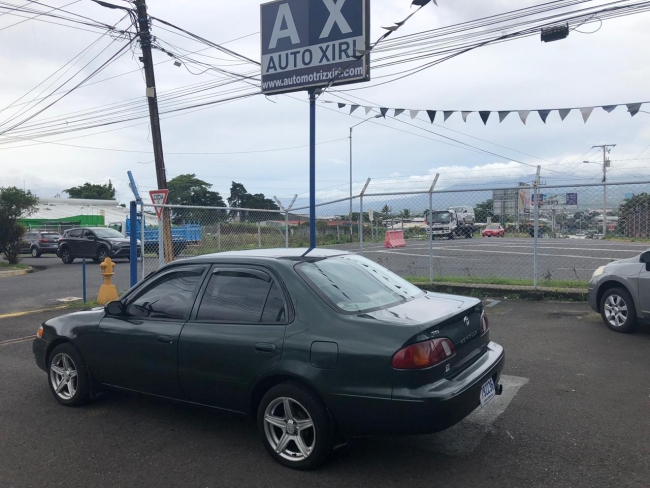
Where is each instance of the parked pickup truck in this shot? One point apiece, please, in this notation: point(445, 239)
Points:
point(182, 235)
point(450, 223)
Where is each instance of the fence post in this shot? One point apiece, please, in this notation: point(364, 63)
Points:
point(218, 236)
point(142, 224)
point(259, 236)
point(133, 237)
point(430, 227)
point(536, 227)
point(361, 216)
point(286, 217)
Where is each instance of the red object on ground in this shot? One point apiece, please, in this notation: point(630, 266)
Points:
point(394, 238)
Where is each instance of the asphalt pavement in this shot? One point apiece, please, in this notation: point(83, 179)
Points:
point(574, 413)
point(558, 259)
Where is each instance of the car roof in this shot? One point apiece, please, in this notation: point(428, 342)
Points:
point(278, 253)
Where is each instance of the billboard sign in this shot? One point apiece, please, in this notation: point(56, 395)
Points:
point(309, 43)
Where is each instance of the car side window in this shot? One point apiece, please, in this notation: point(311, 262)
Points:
point(168, 297)
point(74, 233)
point(88, 234)
point(242, 296)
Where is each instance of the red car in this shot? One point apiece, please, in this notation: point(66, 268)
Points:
point(493, 230)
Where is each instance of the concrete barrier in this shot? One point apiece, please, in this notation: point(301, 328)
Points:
point(394, 238)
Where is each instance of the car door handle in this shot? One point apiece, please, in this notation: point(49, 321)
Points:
point(264, 347)
point(165, 339)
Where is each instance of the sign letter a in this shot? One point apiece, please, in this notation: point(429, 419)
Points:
point(284, 13)
point(336, 17)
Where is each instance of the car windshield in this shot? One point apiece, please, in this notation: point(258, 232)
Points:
point(493, 227)
point(356, 284)
point(108, 234)
point(440, 217)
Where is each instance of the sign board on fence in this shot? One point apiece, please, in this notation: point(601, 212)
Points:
point(371, 215)
point(159, 197)
point(309, 43)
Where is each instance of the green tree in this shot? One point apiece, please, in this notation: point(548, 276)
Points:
point(405, 214)
point(240, 198)
point(14, 204)
point(92, 192)
point(635, 210)
point(484, 211)
point(189, 190)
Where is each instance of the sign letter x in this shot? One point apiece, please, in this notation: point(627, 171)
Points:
point(336, 17)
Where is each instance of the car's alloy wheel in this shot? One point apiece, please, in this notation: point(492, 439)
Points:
point(35, 253)
point(289, 429)
point(618, 310)
point(102, 254)
point(66, 256)
point(64, 376)
point(295, 426)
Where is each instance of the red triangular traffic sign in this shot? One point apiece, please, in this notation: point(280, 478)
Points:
point(159, 197)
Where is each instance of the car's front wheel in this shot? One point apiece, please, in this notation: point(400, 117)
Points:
point(295, 426)
point(66, 256)
point(102, 254)
point(35, 253)
point(68, 376)
point(617, 310)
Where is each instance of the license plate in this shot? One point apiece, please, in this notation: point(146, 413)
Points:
point(487, 392)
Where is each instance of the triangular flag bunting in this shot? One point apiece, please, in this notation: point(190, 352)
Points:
point(327, 101)
point(523, 115)
point(633, 108)
point(465, 114)
point(586, 112)
point(432, 115)
point(341, 105)
point(414, 113)
point(609, 108)
point(383, 111)
point(448, 113)
point(564, 112)
point(353, 108)
point(399, 111)
point(362, 52)
point(485, 115)
point(368, 110)
point(543, 114)
point(392, 28)
point(503, 115)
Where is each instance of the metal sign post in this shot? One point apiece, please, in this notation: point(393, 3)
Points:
point(310, 44)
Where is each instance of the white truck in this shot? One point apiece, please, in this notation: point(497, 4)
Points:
point(451, 223)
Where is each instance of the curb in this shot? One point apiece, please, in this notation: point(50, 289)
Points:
point(16, 272)
point(509, 291)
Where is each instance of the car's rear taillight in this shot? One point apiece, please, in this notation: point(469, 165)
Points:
point(485, 323)
point(43, 240)
point(424, 354)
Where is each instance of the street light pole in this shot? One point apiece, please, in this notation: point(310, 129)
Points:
point(606, 149)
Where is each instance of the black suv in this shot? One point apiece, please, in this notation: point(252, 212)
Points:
point(37, 242)
point(96, 243)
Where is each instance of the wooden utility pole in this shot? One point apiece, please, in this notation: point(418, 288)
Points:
point(152, 97)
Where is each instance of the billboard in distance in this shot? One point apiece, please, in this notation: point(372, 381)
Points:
point(310, 43)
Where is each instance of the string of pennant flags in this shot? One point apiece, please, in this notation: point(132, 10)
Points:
point(632, 108)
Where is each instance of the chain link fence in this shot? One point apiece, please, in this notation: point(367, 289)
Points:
point(449, 235)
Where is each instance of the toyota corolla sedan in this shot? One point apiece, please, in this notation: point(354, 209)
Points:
point(316, 346)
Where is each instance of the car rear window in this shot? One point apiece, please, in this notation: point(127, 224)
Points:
point(493, 227)
point(50, 236)
point(353, 284)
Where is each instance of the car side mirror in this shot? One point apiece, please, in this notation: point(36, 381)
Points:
point(115, 308)
point(645, 257)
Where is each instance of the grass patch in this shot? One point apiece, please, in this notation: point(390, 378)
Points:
point(7, 266)
point(628, 239)
point(495, 280)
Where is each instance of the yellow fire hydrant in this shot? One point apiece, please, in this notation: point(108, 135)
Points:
point(107, 292)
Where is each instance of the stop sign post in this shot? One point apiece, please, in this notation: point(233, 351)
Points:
point(159, 197)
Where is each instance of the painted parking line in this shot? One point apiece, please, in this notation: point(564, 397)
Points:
point(462, 439)
point(30, 312)
point(16, 341)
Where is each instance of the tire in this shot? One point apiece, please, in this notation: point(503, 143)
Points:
point(317, 435)
point(66, 256)
point(68, 373)
point(618, 311)
point(102, 253)
point(35, 252)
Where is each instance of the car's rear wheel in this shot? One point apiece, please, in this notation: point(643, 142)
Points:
point(35, 253)
point(66, 256)
point(618, 311)
point(295, 426)
point(68, 376)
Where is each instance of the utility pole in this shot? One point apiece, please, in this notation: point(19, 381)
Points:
point(606, 150)
point(152, 98)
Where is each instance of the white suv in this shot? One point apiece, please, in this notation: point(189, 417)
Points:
point(464, 214)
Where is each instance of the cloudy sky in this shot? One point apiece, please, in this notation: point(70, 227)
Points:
point(247, 138)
